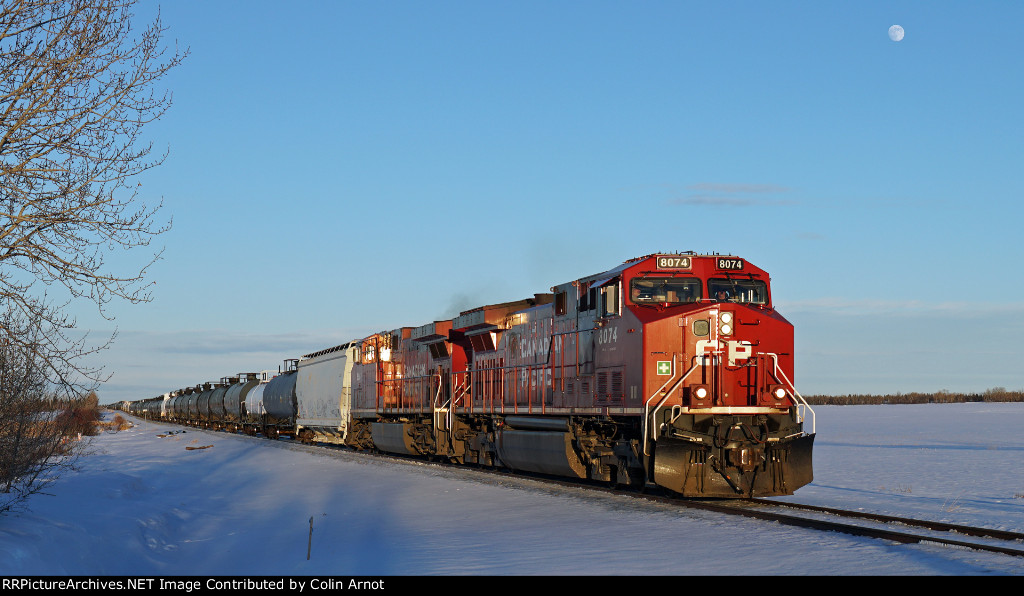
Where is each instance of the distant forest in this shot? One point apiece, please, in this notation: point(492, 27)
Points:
point(940, 397)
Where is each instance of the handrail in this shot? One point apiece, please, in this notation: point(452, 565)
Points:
point(436, 408)
point(459, 392)
point(647, 404)
point(802, 403)
point(648, 416)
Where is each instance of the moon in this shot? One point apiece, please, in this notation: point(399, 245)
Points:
point(895, 33)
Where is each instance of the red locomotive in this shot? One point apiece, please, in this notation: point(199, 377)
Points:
point(671, 368)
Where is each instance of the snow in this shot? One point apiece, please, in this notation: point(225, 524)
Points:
point(143, 505)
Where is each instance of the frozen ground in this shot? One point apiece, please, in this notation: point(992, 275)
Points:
point(144, 505)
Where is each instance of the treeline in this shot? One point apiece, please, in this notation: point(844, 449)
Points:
point(996, 394)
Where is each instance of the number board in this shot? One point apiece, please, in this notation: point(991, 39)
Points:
point(728, 264)
point(674, 263)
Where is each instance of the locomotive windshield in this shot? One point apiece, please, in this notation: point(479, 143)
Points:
point(673, 290)
point(745, 291)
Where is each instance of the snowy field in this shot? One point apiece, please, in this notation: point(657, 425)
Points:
point(144, 505)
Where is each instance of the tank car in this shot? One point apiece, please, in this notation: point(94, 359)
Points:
point(279, 403)
point(196, 402)
point(172, 405)
point(180, 405)
point(234, 400)
point(212, 415)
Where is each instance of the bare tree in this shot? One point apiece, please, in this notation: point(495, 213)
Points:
point(77, 89)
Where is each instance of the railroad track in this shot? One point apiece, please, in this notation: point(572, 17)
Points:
point(996, 541)
point(815, 517)
point(931, 525)
point(877, 526)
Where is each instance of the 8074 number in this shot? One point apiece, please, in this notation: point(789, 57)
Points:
point(673, 262)
point(729, 264)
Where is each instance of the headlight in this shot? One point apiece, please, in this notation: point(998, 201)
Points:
point(700, 395)
point(725, 323)
point(777, 395)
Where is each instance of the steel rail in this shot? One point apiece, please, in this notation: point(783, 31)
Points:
point(881, 533)
point(922, 523)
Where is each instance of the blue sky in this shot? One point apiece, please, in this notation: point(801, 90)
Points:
point(338, 168)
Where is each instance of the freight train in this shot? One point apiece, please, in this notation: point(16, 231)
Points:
point(670, 370)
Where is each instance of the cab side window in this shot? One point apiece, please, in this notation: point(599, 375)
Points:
point(609, 303)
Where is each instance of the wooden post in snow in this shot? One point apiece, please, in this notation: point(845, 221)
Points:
point(309, 545)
